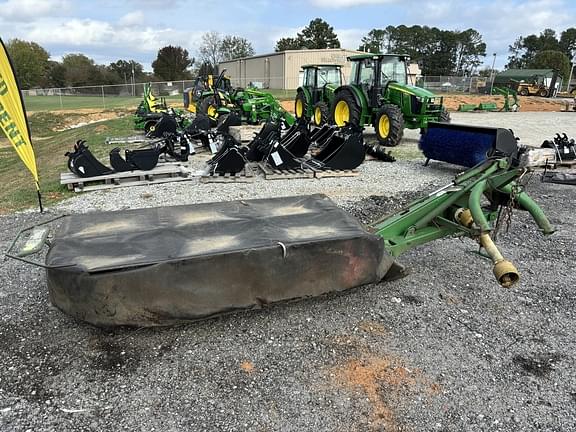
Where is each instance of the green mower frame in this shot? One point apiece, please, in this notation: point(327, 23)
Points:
point(314, 97)
point(379, 95)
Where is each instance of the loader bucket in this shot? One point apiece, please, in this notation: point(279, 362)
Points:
point(342, 151)
point(202, 260)
point(466, 145)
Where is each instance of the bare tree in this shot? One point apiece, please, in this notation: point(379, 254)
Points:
point(210, 50)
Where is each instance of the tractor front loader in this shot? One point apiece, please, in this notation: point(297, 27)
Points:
point(378, 94)
point(314, 97)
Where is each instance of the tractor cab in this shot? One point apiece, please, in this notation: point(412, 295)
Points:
point(373, 73)
point(314, 96)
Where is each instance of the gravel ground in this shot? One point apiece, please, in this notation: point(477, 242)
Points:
point(443, 349)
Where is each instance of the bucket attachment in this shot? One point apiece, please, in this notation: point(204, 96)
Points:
point(118, 162)
point(343, 151)
point(564, 147)
point(466, 145)
point(319, 136)
point(143, 159)
point(83, 163)
point(229, 159)
point(260, 145)
point(166, 125)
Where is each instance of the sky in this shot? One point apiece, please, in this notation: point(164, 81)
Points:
point(108, 30)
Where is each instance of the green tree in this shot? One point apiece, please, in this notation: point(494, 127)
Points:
point(319, 35)
point(288, 43)
point(30, 62)
point(376, 41)
point(469, 49)
point(80, 70)
point(172, 63)
point(568, 42)
point(125, 68)
point(55, 75)
point(233, 47)
point(550, 59)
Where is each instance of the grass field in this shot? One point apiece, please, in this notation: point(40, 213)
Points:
point(18, 191)
point(57, 103)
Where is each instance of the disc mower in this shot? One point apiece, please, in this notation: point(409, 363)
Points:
point(379, 95)
point(314, 97)
point(158, 266)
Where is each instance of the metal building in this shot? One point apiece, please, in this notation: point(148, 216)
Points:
point(281, 70)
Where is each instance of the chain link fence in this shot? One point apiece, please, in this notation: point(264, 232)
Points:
point(128, 96)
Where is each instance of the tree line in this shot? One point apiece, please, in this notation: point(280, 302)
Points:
point(34, 68)
point(437, 51)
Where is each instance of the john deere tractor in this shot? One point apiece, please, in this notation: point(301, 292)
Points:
point(379, 94)
point(314, 97)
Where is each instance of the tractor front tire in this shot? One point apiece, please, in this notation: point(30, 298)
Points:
point(389, 125)
point(345, 111)
point(524, 92)
point(320, 114)
point(300, 105)
point(150, 125)
point(543, 93)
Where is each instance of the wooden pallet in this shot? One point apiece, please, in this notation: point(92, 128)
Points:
point(285, 174)
point(134, 139)
point(163, 173)
point(335, 173)
point(244, 176)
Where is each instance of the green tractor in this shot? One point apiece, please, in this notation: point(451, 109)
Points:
point(379, 95)
point(314, 97)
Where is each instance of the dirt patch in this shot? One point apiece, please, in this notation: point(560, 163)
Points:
point(384, 381)
point(247, 366)
point(452, 102)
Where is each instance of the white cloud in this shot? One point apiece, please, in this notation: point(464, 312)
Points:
point(337, 4)
point(132, 19)
point(350, 38)
point(93, 33)
point(30, 10)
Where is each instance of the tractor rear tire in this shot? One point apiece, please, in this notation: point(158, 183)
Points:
point(208, 107)
point(300, 105)
point(149, 125)
point(389, 125)
point(320, 114)
point(345, 110)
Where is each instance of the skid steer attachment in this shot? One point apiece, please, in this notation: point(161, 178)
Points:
point(466, 145)
point(229, 159)
point(202, 260)
point(343, 150)
point(82, 162)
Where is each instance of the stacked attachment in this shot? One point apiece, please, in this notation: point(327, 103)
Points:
point(334, 148)
point(564, 147)
point(466, 145)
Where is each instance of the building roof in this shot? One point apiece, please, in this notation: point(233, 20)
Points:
point(370, 55)
point(317, 65)
point(292, 51)
point(527, 73)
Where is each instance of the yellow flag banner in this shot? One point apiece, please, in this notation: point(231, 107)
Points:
point(13, 116)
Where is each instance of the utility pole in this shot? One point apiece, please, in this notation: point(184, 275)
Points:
point(492, 74)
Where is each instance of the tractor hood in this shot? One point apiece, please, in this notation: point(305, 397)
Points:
point(412, 90)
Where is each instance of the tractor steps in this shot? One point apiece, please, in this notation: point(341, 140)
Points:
point(244, 176)
point(285, 174)
point(162, 173)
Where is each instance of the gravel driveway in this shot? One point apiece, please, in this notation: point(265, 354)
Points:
point(444, 349)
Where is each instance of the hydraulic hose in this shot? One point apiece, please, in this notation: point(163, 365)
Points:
point(534, 209)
